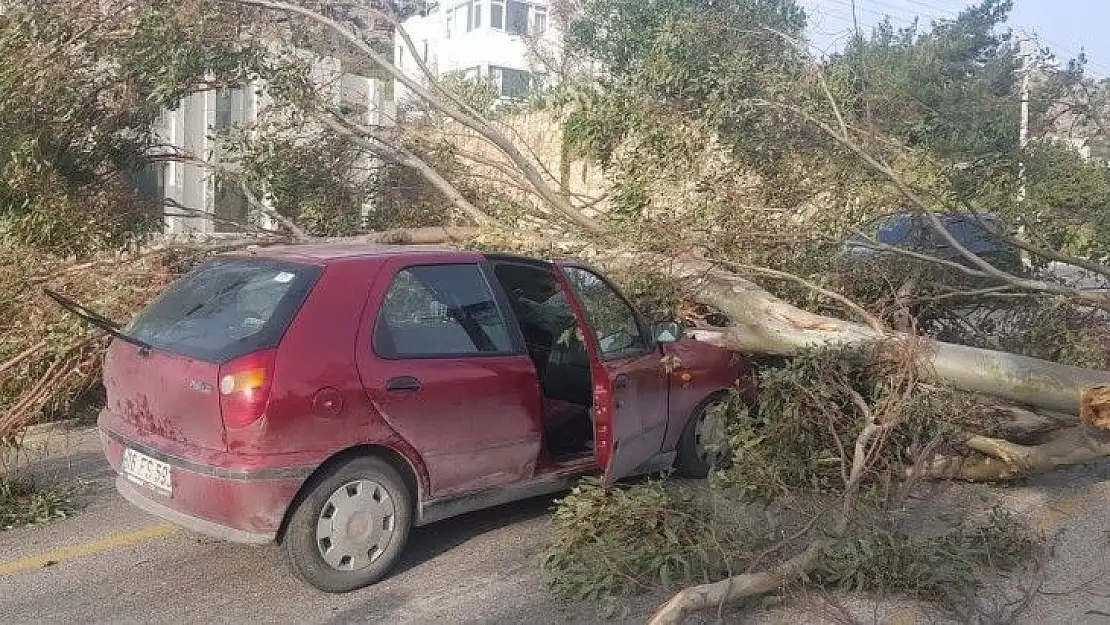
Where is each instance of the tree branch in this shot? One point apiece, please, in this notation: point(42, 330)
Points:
point(402, 156)
point(451, 109)
point(872, 321)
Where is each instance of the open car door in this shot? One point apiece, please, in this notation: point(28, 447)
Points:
point(630, 386)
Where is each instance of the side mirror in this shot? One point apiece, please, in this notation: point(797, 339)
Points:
point(667, 332)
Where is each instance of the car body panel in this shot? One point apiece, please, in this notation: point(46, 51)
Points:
point(476, 420)
point(164, 395)
point(471, 436)
point(226, 490)
point(699, 370)
point(630, 393)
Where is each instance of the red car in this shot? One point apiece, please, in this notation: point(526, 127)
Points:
point(331, 397)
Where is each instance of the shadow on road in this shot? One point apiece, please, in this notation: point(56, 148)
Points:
point(430, 541)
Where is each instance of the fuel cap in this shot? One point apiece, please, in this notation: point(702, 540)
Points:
point(327, 402)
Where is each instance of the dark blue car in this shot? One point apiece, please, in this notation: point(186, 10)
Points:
point(975, 231)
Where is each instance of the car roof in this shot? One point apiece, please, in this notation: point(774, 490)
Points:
point(328, 253)
point(961, 215)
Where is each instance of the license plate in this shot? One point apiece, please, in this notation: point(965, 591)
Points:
point(144, 470)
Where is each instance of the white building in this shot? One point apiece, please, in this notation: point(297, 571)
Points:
point(198, 203)
point(479, 38)
point(492, 39)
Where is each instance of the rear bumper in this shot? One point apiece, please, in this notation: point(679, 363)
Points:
point(141, 500)
point(226, 502)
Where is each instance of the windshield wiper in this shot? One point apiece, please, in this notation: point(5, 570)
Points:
point(97, 320)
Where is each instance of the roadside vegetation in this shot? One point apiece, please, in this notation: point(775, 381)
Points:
point(786, 481)
point(733, 164)
point(22, 502)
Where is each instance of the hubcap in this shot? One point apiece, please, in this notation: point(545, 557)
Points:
point(355, 525)
point(711, 436)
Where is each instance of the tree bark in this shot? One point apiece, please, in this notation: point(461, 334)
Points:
point(415, 236)
point(1005, 460)
point(762, 323)
point(705, 596)
point(1094, 408)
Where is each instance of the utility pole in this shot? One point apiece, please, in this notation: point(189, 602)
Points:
point(1023, 136)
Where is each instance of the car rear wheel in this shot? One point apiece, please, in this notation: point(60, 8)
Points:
point(351, 527)
point(703, 445)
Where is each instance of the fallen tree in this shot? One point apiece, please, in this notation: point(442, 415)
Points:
point(758, 322)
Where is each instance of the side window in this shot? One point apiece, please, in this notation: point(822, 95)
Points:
point(440, 310)
point(611, 318)
point(895, 230)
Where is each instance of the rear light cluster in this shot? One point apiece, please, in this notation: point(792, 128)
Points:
point(245, 388)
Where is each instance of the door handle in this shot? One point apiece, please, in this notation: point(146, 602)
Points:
point(621, 382)
point(403, 384)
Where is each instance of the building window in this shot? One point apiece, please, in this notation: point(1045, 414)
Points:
point(516, 17)
point(497, 14)
point(539, 21)
point(231, 108)
point(230, 207)
point(462, 18)
point(450, 21)
point(476, 14)
point(512, 83)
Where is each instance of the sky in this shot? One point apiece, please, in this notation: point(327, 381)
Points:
point(1065, 26)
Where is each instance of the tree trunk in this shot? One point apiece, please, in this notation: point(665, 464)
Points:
point(1005, 460)
point(705, 596)
point(762, 323)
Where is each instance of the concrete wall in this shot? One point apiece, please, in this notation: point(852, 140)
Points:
point(542, 133)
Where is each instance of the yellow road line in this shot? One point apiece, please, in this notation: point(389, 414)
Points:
point(86, 549)
point(1062, 510)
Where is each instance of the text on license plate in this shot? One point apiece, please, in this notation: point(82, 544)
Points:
point(143, 469)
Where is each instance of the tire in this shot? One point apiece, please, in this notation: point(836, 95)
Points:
point(364, 496)
point(691, 459)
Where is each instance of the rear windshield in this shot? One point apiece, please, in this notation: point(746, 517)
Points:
point(974, 235)
point(226, 308)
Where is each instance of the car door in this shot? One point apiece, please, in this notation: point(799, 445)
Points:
point(448, 372)
point(630, 386)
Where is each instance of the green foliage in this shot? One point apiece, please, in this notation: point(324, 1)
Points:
point(1050, 328)
point(699, 120)
point(1068, 202)
point(479, 93)
point(320, 182)
point(609, 542)
point(799, 435)
point(946, 568)
point(790, 452)
point(22, 502)
point(75, 131)
point(657, 296)
point(679, 76)
point(949, 89)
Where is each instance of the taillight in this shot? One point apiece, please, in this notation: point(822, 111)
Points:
point(245, 388)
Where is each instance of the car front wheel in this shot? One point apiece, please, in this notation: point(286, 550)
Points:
point(351, 527)
point(703, 445)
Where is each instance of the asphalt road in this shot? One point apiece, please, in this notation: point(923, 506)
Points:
point(112, 563)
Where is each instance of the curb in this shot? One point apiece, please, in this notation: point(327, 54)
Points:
point(39, 429)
